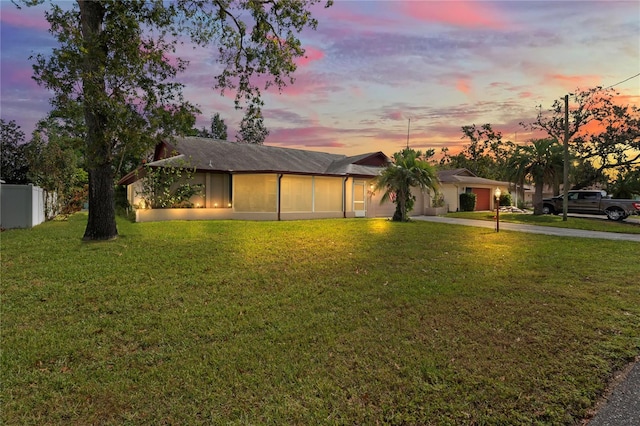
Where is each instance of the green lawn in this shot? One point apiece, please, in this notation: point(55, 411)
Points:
point(311, 322)
point(629, 226)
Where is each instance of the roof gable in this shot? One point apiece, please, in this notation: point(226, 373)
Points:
point(465, 176)
point(448, 173)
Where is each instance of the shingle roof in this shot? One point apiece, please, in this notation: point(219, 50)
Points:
point(207, 154)
point(465, 176)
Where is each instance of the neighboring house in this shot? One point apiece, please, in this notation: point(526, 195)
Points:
point(547, 192)
point(258, 182)
point(454, 182)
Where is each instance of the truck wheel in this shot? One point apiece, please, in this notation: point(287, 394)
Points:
point(615, 214)
point(547, 209)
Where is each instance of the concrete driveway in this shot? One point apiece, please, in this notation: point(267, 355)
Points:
point(533, 229)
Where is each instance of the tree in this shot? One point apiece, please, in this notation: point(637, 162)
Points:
point(587, 106)
point(218, 129)
point(485, 155)
point(542, 161)
point(114, 59)
point(626, 185)
point(583, 175)
point(14, 165)
point(616, 147)
point(599, 131)
point(408, 169)
point(54, 168)
point(56, 159)
point(252, 129)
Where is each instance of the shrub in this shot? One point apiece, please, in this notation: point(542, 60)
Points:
point(437, 200)
point(169, 187)
point(467, 201)
point(505, 199)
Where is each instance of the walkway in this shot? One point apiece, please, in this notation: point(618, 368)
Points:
point(623, 405)
point(534, 229)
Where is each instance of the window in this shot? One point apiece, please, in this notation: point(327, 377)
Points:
point(327, 194)
point(296, 193)
point(254, 193)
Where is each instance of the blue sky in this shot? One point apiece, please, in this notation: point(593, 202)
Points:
point(373, 65)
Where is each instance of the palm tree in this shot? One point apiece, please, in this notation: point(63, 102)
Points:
point(407, 170)
point(541, 161)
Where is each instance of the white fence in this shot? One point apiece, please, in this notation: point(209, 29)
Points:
point(22, 206)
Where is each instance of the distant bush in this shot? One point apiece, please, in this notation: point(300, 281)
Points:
point(505, 199)
point(467, 201)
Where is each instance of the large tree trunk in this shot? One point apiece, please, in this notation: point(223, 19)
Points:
point(537, 195)
point(102, 219)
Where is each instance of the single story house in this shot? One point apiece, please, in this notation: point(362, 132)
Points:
point(454, 182)
point(259, 182)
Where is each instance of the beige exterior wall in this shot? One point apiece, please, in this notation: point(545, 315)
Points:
point(451, 196)
point(132, 193)
point(255, 197)
point(452, 193)
point(158, 215)
point(387, 209)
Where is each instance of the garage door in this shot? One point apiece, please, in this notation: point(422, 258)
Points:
point(483, 198)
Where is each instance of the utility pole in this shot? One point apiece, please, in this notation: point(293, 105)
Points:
point(565, 177)
point(408, 130)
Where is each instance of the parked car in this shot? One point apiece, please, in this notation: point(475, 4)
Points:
point(592, 202)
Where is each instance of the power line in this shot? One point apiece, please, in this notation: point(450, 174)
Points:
point(623, 81)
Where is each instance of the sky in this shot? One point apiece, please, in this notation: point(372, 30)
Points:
point(379, 74)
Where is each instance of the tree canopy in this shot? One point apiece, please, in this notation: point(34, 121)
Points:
point(13, 161)
point(600, 129)
point(542, 161)
point(116, 60)
point(485, 155)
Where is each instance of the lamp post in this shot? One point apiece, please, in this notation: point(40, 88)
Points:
point(497, 193)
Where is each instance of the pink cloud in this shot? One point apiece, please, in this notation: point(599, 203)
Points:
point(311, 54)
point(24, 18)
point(463, 86)
point(571, 82)
point(340, 14)
point(467, 14)
point(18, 77)
point(394, 115)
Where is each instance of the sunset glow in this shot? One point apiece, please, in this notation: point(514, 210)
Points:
point(373, 65)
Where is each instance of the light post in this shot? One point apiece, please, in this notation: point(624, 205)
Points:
point(497, 193)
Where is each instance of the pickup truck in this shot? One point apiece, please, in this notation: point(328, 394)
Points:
point(592, 202)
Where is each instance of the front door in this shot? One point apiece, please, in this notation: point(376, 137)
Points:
point(359, 193)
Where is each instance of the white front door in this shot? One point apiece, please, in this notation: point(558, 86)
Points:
point(359, 207)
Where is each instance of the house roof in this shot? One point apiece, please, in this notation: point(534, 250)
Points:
point(466, 176)
point(216, 155)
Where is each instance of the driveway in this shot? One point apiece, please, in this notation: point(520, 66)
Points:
point(533, 229)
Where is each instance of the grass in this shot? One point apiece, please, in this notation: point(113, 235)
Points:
point(311, 322)
point(629, 226)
